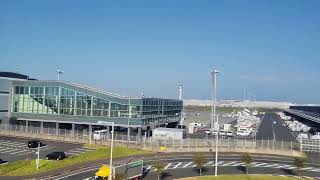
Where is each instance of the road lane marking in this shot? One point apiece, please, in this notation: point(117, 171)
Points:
point(271, 165)
point(176, 166)
point(229, 163)
point(167, 166)
point(260, 164)
point(17, 152)
point(186, 165)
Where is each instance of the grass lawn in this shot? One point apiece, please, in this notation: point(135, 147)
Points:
point(242, 177)
point(28, 167)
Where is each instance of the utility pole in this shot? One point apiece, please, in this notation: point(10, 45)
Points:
point(38, 158)
point(214, 73)
point(59, 72)
point(217, 142)
point(182, 112)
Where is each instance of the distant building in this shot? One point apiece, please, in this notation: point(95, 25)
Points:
point(238, 103)
point(24, 100)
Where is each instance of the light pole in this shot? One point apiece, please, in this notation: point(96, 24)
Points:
point(59, 72)
point(217, 141)
point(274, 134)
point(111, 150)
point(38, 158)
point(214, 73)
point(111, 146)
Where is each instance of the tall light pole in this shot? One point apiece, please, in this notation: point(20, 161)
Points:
point(182, 112)
point(217, 141)
point(59, 72)
point(214, 73)
point(111, 151)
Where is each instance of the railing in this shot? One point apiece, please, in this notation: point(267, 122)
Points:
point(310, 145)
point(160, 145)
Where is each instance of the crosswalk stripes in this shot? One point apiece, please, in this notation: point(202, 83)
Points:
point(179, 165)
point(167, 166)
point(186, 165)
point(18, 148)
point(78, 151)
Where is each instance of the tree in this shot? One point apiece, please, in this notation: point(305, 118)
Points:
point(159, 166)
point(200, 160)
point(247, 160)
point(299, 162)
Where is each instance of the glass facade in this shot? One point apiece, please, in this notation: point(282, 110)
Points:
point(64, 99)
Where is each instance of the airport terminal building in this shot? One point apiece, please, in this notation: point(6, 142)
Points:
point(309, 115)
point(24, 100)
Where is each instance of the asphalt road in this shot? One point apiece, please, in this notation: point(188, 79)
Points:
point(183, 166)
point(13, 148)
point(269, 130)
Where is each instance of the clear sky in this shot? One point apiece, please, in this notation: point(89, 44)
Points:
point(269, 47)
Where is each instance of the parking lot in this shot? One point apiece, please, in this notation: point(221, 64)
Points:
point(12, 149)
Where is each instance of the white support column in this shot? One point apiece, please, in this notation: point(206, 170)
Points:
point(41, 127)
point(129, 134)
point(44, 106)
point(108, 131)
point(90, 134)
point(59, 99)
point(109, 111)
point(91, 107)
point(139, 134)
point(72, 129)
point(57, 128)
point(75, 103)
point(27, 125)
point(130, 115)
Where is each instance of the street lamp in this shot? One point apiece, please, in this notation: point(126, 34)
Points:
point(59, 72)
point(214, 73)
point(274, 135)
point(38, 158)
point(111, 150)
point(111, 146)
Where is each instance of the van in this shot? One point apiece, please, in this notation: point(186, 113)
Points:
point(100, 134)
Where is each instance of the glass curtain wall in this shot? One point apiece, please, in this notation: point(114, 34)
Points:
point(46, 100)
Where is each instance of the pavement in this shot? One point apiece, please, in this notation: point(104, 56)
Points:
point(14, 148)
point(279, 130)
point(179, 166)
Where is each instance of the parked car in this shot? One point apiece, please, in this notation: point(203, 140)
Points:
point(35, 144)
point(56, 156)
point(3, 162)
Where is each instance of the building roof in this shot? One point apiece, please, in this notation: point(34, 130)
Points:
point(15, 75)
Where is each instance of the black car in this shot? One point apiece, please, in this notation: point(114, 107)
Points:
point(35, 144)
point(3, 162)
point(56, 156)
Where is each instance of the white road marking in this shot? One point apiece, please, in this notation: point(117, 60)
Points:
point(4, 152)
point(18, 152)
point(209, 163)
point(72, 153)
point(77, 151)
point(260, 164)
point(7, 148)
point(186, 165)
point(230, 163)
point(167, 166)
point(176, 166)
point(271, 165)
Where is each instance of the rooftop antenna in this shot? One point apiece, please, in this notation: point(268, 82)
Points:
point(59, 72)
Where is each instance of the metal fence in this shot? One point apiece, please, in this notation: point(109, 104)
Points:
point(310, 145)
point(162, 145)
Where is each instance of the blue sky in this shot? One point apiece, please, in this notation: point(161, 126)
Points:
point(269, 47)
